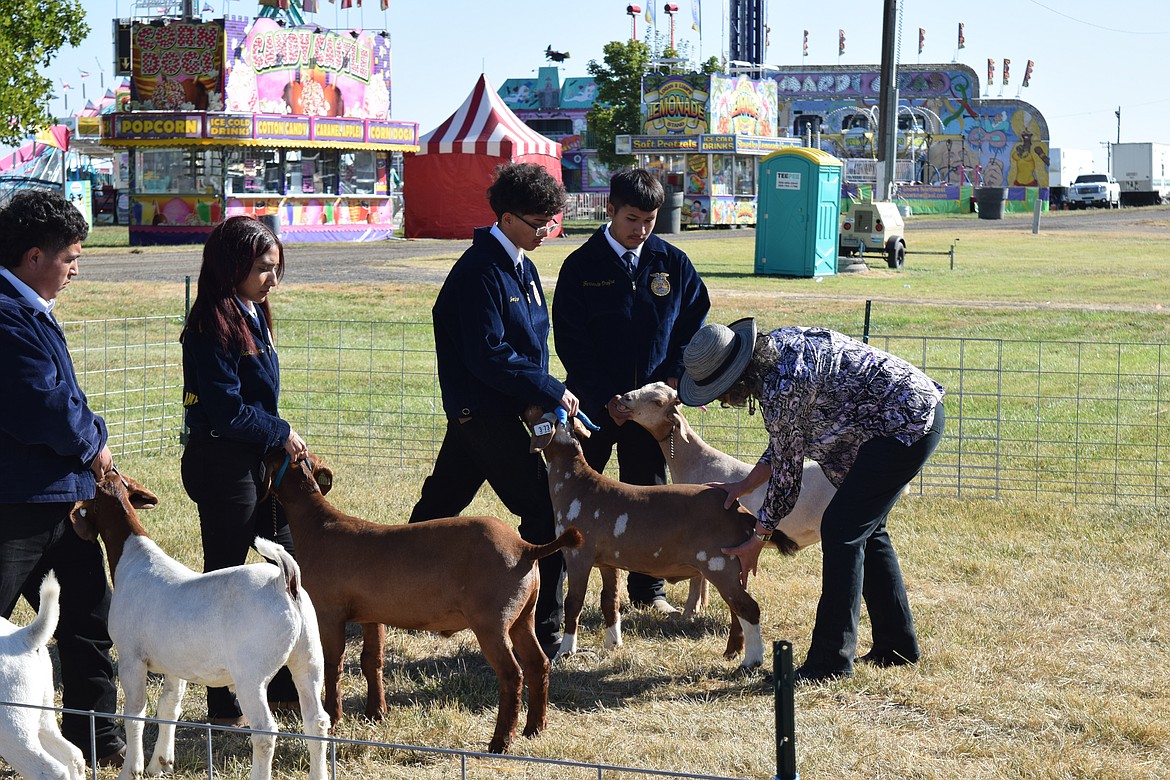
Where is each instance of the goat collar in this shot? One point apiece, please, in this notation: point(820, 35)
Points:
point(283, 468)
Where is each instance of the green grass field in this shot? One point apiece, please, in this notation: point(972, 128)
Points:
point(1043, 625)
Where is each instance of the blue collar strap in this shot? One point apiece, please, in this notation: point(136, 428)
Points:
point(283, 468)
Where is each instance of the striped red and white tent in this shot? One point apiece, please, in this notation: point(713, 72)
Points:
point(446, 180)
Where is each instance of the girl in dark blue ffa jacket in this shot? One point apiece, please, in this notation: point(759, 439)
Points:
point(231, 385)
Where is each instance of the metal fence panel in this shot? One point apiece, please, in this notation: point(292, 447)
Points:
point(1080, 421)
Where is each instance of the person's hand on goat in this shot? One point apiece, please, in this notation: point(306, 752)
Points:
point(295, 446)
point(748, 554)
point(570, 403)
point(102, 463)
point(733, 490)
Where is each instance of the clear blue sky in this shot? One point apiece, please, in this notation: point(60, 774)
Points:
point(1091, 56)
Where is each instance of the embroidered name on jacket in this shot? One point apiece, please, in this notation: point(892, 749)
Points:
point(606, 283)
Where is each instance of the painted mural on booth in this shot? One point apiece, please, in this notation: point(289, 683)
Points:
point(951, 134)
point(743, 106)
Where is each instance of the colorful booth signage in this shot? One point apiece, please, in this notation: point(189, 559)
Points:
point(335, 133)
point(177, 66)
point(282, 70)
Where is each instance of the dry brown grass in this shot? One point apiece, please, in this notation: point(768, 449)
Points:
point(1044, 630)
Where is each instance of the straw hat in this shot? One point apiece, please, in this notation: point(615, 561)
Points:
point(715, 359)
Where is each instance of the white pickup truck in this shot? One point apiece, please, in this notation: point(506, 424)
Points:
point(1094, 189)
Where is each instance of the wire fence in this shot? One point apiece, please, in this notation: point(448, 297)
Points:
point(1087, 422)
point(462, 761)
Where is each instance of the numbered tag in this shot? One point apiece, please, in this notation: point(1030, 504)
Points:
point(542, 429)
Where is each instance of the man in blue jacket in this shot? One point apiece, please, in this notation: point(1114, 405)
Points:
point(52, 447)
point(626, 304)
point(491, 343)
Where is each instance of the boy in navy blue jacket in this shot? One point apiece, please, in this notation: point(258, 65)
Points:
point(491, 343)
point(52, 449)
point(626, 304)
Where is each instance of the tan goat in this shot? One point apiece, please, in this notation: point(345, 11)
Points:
point(656, 408)
point(442, 575)
point(669, 531)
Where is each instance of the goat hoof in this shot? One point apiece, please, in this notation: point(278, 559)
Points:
point(375, 714)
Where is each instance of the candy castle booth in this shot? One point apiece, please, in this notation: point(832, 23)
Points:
point(705, 136)
point(240, 116)
point(456, 163)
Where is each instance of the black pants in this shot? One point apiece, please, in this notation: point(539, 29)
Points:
point(495, 449)
point(859, 559)
point(35, 538)
point(640, 462)
point(223, 478)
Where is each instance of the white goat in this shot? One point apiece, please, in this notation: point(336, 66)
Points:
point(669, 531)
point(30, 739)
point(235, 626)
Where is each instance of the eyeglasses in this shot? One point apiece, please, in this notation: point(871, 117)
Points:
point(541, 230)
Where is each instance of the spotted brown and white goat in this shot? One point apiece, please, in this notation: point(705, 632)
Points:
point(669, 531)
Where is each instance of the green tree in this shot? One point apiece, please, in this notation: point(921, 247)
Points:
point(31, 34)
point(618, 108)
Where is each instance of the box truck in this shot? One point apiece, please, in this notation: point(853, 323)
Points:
point(1143, 170)
point(1064, 166)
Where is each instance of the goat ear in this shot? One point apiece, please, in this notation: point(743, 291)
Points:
point(140, 497)
point(79, 517)
point(579, 429)
point(324, 476)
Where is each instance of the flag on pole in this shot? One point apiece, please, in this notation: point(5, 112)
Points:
point(84, 73)
point(921, 39)
point(346, 4)
point(806, 43)
point(650, 14)
point(840, 42)
point(310, 6)
point(1028, 73)
point(696, 14)
point(962, 38)
point(66, 85)
point(990, 71)
point(1007, 67)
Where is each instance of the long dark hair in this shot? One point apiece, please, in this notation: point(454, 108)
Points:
point(228, 256)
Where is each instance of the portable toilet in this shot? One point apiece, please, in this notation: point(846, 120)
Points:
point(798, 209)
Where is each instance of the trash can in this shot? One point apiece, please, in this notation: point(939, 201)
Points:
point(798, 209)
point(990, 201)
point(272, 221)
point(670, 215)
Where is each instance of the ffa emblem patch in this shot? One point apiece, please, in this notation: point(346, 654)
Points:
point(660, 284)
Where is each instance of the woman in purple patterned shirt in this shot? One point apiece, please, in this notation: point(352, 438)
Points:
point(871, 420)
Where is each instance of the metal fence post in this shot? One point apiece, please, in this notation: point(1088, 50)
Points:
point(785, 711)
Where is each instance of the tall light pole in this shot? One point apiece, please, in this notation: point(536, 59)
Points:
point(1117, 113)
point(671, 10)
point(633, 11)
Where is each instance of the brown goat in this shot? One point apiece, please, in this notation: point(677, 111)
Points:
point(442, 575)
point(670, 531)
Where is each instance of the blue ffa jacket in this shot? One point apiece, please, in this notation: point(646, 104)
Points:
point(48, 435)
point(491, 335)
point(616, 334)
point(233, 396)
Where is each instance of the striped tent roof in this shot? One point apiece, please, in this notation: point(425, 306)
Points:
point(485, 125)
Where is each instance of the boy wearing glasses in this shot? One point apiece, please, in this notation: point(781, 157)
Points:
point(626, 304)
point(491, 328)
